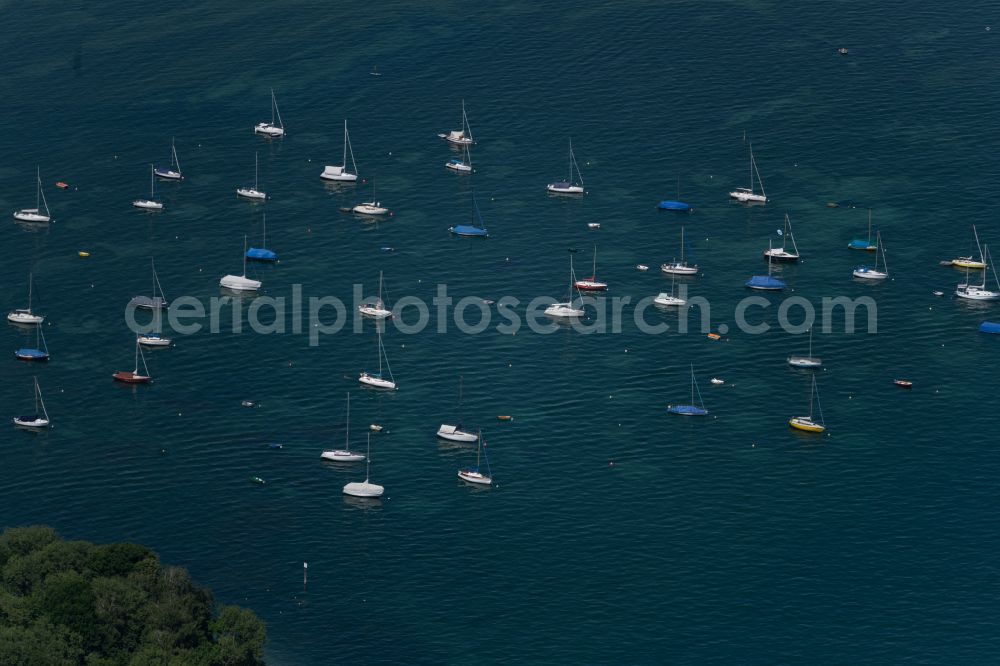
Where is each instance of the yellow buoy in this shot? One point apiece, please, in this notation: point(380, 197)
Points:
point(83, 254)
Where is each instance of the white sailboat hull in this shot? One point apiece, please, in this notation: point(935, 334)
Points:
point(668, 300)
point(24, 317)
point(23, 422)
point(267, 129)
point(376, 381)
point(341, 456)
point(154, 341)
point(374, 312)
point(250, 193)
point(777, 254)
point(370, 208)
point(745, 196)
point(974, 293)
point(169, 174)
point(563, 310)
point(472, 476)
point(453, 434)
point(363, 489)
point(239, 283)
point(31, 215)
point(679, 269)
point(456, 137)
point(869, 274)
point(338, 174)
point(805, 361)
point(148, 204)
point(559, 188)
point(459, 166)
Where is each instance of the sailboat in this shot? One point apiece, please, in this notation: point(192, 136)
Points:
point(766, 282)
point(568, 186)
point(40, 352)
point(782, 253)
point(252, 192)
point(40, 419)
point(262, 253)
point(35, 214)
point(173, 172)
point(373, 207)
point(747, 194)
point(240, 282)
point(345, 454)
point(866, 272)
point(275, 128)
point(134, 377)
point(979, 292)
point(809, 361)
point(375, 379)
point(863, 244)
point(462, 137)
point(566, 310)
point(151, 203)
point(340, 173)
point(471, 229)
point(672, 204)
point(692, 409)
point(365, 488)
point(680, 267)
point(25, 315)
point(809, 423)
point(474, 474)
point(455, 433)
point(153, 340)
point(153, 302)
point(461, 164)
point(376, 310)
point(592, 283)
point(972, 262)
point(663, 298)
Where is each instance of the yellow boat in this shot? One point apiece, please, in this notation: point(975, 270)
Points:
point(809, 423)
point(805, 423)
point(968, 262)
point(83, 254)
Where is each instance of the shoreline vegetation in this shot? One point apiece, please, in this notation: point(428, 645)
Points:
point(75, 602)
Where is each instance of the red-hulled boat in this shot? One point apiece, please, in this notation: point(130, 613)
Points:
point(591, 283)
point(134, 377)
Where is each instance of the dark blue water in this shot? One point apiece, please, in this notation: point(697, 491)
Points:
point(729, 539)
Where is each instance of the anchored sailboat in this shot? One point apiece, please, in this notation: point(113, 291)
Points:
point(474, 474)
point(40, 352)
point(809, 361)
point(592, 283)
point(373, 208)
point(40, 213)
point(766, 282)
point(375, 379)
point(972, 262)
point(472, 229)
point(747, 194)
point(151, 203)
point(866, 272)
point(38, 420)
point(461, 164)
point(253, 192)
point(340, 173)
point(569, 186)
point(566, 310)
point(240, 282)
point(810, 423)
point(863, 244)
point(275, 128)
point(979, 292)
point(692, 409)
point(262, 253)
point(135, 377)
point(462, 137)
point(154, 302)
point(345, 454)
point(680, 267)
point(173, 172)
point(663, 298)
point(455, 433)
point(376, 310)
point(365, 488)
point(783, 254)
point(26, 315)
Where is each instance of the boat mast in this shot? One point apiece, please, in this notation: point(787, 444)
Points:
point(152, 186)
point(985, 268)
point(870, 228)
point(256, 161)
point(460, 401)
point(692, 383)
point(244, 256)
point(347, 428)
point(345, 145)
point(30, 285)
point(978, 247)
point(39, 401)
point(264, 240)
point(593, 272)
point(682, 245)
point(136, 371)
point(38, 192)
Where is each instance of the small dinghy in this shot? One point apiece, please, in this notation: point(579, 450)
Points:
point(903, 383)
point(641, 267)
point(717, 381)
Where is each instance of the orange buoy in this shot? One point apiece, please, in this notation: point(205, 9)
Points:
point(62, 186)
point(714, 336)
point(505, 417)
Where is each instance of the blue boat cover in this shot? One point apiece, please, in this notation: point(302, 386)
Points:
point(687, 410)
point(33, 354)
point(859, 244)
point(673, 205)
point(989, 327)
point(765, 282)
point(261, 254)
point(562, 185)
point(467, 230)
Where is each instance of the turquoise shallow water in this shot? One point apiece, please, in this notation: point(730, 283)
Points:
point(728, 539)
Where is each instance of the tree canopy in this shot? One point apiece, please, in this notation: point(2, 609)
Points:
point(74, 602)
